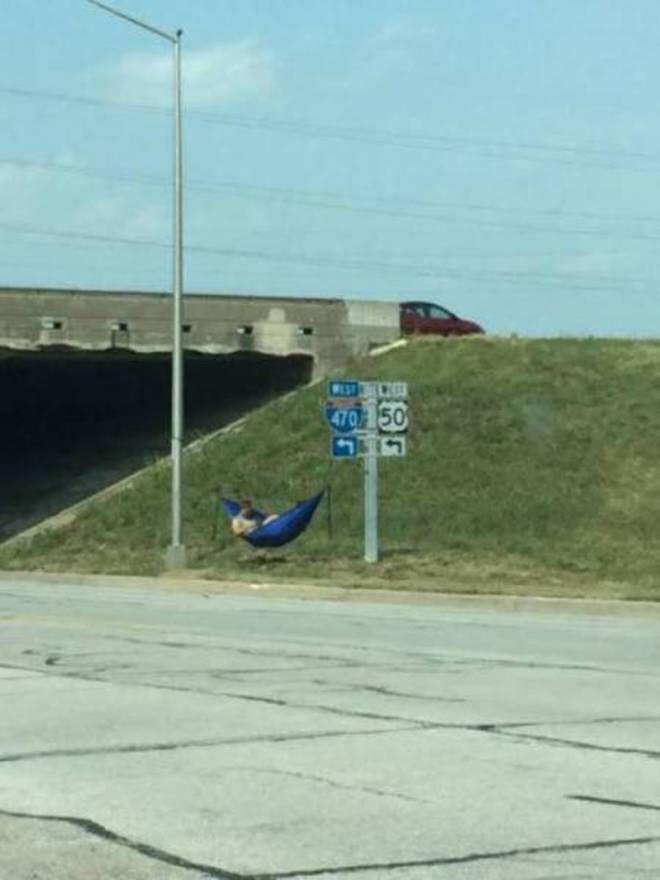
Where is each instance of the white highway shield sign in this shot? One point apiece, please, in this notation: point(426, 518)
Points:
point(392, 416)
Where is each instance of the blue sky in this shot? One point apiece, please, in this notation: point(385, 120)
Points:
point(500, 157)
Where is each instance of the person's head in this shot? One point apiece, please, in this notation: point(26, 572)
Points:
point(246, 505)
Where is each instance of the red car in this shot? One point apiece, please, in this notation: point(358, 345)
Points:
point(425, 317)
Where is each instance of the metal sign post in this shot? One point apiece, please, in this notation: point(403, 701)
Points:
point(371, 484)
point(368, 419)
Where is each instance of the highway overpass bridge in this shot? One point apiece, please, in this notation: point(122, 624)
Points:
point(329, 331)
point(85, 385)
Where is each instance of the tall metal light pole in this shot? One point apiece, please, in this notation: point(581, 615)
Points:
point(176, 552)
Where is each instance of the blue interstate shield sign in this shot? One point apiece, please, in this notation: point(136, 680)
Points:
point(344, 419)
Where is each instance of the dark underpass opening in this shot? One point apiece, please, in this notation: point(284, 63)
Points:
point(76, 422)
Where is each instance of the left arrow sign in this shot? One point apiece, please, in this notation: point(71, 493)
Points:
point(344, 447)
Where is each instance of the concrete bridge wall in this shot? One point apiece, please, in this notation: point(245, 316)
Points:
point(329, 330)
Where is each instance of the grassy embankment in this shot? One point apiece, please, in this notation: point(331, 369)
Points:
point(532, 468)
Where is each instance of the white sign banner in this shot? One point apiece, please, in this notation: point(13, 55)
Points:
point(389, 390)
point(393, 390)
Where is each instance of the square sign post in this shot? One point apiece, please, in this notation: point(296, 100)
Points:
point(371, 483)
point(368, 420)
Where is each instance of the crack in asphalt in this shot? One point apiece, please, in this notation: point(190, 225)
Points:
point(345, 662)
point(211, 644)
point(608, 719)
point(454, 660)
point(450, 663)
point(510, 730)
point(145, 849)
point(575, 743)
point(313, 707)
point(133, 748)
point(421, 723)
point(481, 663)
point(465, 859)
point(218, 873)
point(612, 802)
point(282, 670)
point(384, 691)
point(380, 792)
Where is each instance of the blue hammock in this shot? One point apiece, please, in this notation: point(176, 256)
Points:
point(280, 531)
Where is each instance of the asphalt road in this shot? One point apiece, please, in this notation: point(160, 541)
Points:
point(155, 735)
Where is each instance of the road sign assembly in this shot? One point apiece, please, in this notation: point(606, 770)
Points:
point(369, 420)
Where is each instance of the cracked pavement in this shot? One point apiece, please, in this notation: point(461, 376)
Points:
point(155, 735)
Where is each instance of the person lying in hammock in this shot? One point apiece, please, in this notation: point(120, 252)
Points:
point(248, 519)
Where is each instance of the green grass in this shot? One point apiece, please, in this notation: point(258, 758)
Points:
point(532, 468)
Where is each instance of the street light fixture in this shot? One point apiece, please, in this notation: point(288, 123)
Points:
point(176, 552)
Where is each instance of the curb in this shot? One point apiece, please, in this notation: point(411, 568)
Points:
point(187, 582)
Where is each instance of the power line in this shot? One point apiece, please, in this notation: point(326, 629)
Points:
point(61, 267)
point(336, 201)
point(480, 147)
point(353, 264)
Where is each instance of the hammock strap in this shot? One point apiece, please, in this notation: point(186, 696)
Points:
point(216, 512)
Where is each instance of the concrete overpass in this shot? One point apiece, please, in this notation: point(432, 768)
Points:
point(85, 378)
point(328, 330)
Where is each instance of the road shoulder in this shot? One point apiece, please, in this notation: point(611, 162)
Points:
point(191, 583)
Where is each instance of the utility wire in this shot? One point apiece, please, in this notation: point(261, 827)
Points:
point(525, 151)
point(334, 201)
point(342, 200)
point(414, 270)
